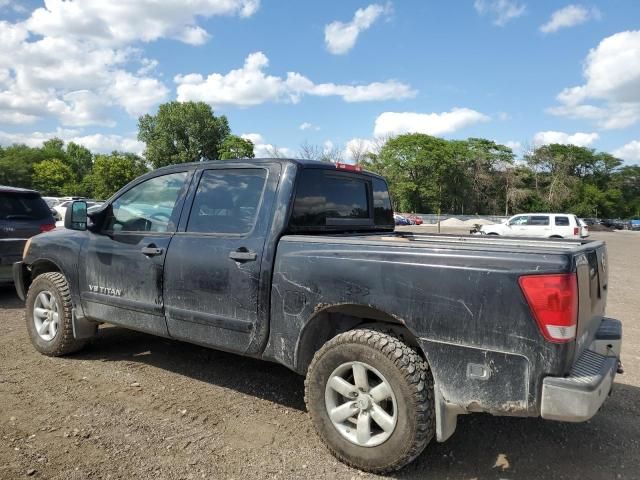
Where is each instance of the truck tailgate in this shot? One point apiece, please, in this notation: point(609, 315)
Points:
point(591, 270)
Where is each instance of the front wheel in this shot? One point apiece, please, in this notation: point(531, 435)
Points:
point(370, 398)
point(48, 316)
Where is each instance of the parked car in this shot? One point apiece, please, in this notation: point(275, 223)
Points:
point(591, 221)
point(584, 228)
point(401, 220)
point(614, 223)
point(23, 214)
point(634, 224)
point(297, 262)
point(415, 220)
point(52, 201)
point(548, 225)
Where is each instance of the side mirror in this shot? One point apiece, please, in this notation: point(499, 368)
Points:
point(75, 217)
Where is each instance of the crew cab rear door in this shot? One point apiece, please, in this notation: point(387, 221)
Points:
point(212, 277)
point(123, 258)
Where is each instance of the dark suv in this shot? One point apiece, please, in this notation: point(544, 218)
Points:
point(23, 214)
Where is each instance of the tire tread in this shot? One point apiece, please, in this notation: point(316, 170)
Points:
point(69, 344)
point(415, 371)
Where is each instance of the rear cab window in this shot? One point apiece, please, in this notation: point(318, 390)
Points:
point(328, 200)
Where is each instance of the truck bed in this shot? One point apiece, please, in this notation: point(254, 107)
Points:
point(458, 294)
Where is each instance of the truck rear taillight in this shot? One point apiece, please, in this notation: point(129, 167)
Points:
point(553, 299)
point(47, 227)
point(576, 230)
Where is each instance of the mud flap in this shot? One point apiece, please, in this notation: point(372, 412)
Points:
point(446, 417)
point(82, 328)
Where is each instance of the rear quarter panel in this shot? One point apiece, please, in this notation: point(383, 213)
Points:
point(464, 306)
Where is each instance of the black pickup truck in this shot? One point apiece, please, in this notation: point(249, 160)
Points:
point(297, 262)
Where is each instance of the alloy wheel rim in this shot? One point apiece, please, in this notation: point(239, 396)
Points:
point(46, 316)
point(361, 404)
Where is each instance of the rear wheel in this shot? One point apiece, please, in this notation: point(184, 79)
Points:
point(370, 398)
point(492, 233)
point(48, 316)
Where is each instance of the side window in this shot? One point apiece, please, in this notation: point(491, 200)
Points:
point(147, 207)
point(538, 220)
point(562, 221)
point(227, 201)
point(521, 220)
point(382, 210)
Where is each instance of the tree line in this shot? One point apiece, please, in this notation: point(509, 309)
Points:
point(478, 176)
point(426, 174)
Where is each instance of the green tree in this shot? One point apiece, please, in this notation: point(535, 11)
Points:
point(182, 132)
point(54, 148)
point(421, 169)
point(491, 180)
point(53, 177)
point(16, 165)
point(627, 180)
point(112, 172)
point(80, 160)
point(235, 147)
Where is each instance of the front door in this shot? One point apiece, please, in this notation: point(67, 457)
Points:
point(213, 269)
point(122, 263)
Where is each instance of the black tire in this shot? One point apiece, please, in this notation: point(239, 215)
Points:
point(63, 342)
point(411, 381)
point(492, 233)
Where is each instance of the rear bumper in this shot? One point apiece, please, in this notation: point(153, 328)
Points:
point(577, 397)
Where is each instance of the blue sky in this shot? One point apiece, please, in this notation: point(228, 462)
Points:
point(516, 71)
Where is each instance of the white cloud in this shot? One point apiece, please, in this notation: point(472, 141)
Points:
point(356, 148)
point(327, 146)
point(516, 147)
point(13, 5)
point(580, 139)
point(612, 74)
point(569, 16)
point(340, 37)
point(308, 126)
point(262, 149)
point(629, 152)
point(74, 61)
point(148, 92)
point(502, 11)
point(96, 142)
point(250, 85)
point(396, 123)
point(126, 22)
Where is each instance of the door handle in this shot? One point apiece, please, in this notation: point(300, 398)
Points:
point(242, 255)
point(151, 251)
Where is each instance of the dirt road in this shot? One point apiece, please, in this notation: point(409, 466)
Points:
point(136, 406)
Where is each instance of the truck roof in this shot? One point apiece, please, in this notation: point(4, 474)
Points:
point(298, 161)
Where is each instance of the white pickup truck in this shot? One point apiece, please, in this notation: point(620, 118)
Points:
point(547, 225)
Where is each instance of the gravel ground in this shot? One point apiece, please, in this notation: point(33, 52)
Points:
point(136, 406)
